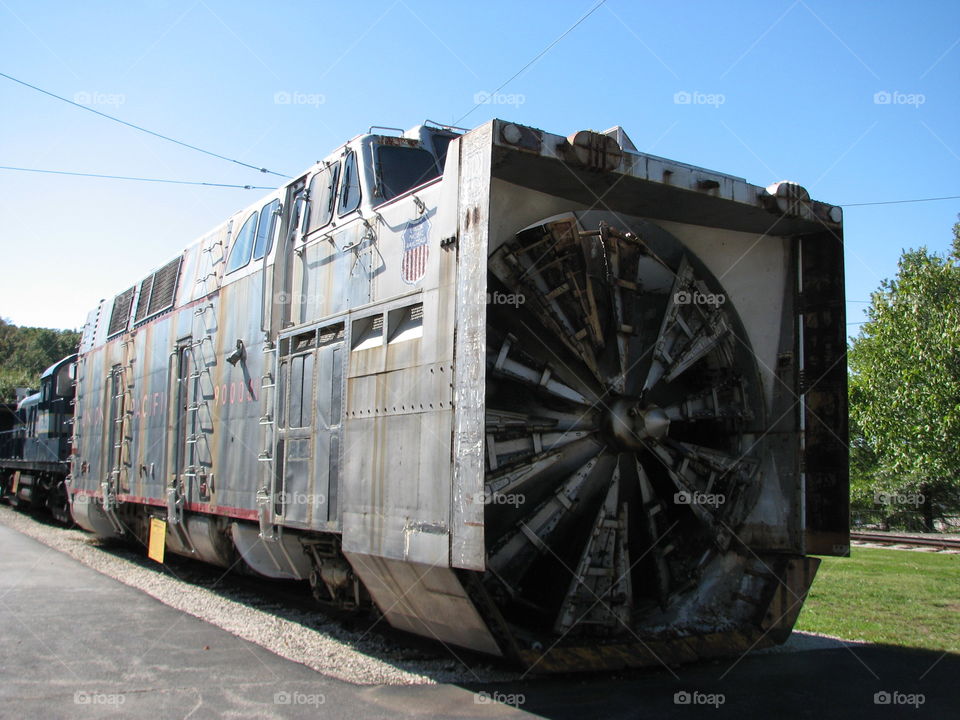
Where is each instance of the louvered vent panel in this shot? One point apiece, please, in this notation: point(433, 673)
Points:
point(121, 312)
point(164, 287)
point(143, 301)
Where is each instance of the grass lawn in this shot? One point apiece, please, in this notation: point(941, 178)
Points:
point(896, 597)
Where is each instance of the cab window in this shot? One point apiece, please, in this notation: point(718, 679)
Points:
point(400, 169)
point(323, 195)
point(350, 187)
point(243, 245)
point(440, 145)
point(268, 222)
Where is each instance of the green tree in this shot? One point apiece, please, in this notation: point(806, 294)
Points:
point(905, 388)
point(25, 352)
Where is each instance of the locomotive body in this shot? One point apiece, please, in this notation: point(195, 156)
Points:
point(535, 396)
point(35, 462)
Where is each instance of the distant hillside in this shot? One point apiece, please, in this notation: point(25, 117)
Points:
point(25, 352)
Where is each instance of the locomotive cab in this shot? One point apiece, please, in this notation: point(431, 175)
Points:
point(47, 414)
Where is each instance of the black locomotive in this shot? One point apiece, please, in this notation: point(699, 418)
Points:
point(35, 443)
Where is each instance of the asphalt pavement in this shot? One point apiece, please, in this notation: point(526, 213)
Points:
point(78, 644)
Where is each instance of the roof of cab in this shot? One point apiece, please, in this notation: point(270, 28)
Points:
point(57, 365)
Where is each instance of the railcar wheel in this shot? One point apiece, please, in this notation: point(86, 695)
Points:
point(58, 502)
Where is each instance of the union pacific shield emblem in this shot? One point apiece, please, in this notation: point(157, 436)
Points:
point(416, 249)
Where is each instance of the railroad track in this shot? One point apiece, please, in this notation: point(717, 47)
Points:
point(896, 539)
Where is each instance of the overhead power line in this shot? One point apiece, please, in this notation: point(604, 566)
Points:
point(539, 55)
point(141, 128)
point(898, 202)
point(138, 179)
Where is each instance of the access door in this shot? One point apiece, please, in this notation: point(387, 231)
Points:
point(309, 427)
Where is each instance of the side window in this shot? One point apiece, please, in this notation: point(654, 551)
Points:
point(268, 223)
point(323, 195)
point(240, 255)
point(350, 187)
point(440, 145)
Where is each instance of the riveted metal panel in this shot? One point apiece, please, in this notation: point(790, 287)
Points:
point(394, 491)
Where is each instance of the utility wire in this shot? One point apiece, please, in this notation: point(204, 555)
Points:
point(264, 187)
point(142, 129)
point(897, 202)
point(138, 179)
point(539, 55)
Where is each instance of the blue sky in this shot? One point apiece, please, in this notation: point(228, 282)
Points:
point(778, 90)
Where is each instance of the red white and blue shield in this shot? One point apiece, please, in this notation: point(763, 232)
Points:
point(416, 250)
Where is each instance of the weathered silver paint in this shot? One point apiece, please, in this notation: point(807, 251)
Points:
point(387, 441)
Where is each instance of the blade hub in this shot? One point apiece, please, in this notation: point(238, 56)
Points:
point(632, 427)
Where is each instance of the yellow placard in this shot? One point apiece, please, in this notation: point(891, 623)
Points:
point(158, 539)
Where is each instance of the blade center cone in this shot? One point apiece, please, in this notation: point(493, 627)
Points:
point(631, 426)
